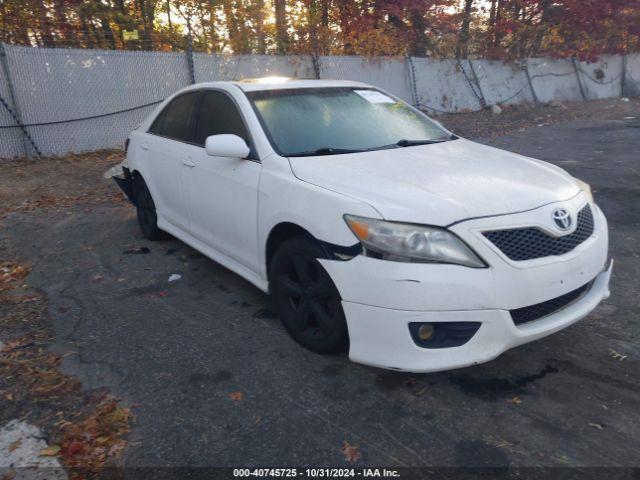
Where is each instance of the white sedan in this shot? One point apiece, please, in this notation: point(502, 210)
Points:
point(374, 229)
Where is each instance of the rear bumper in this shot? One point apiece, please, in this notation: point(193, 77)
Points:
point(380, 336)
point(124, 180)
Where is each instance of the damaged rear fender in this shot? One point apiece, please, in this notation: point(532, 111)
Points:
point(124, 179)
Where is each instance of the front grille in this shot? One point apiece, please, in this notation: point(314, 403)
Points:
point(539, 310)
point(532, 242)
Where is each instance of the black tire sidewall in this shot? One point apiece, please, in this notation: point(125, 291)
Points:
point(338, 340)
point(146, 211)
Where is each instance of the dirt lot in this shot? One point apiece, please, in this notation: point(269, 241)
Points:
point(213, 379)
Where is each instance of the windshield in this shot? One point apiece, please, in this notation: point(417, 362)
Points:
point(329, 121)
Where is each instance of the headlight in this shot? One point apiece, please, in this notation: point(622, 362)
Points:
point(585, 187)
point(404, 242)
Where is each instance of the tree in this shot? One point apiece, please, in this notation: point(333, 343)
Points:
point(463, 39)
point(282, 33)
point(504, 29)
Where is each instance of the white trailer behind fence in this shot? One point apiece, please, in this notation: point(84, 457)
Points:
point(57, 101)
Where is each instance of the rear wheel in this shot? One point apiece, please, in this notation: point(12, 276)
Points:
point(306, 299)
point(146, 209)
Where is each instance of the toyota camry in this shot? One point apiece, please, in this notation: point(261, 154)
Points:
point(374, 229)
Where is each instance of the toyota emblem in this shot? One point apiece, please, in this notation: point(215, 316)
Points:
point(562, 219)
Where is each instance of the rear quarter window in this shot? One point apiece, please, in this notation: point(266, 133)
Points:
point(156, 126)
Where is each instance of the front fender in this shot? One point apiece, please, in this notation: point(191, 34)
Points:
point(285, 198)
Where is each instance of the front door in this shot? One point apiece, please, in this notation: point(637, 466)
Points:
point(222, 193)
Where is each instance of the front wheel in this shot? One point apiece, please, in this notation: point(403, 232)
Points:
point(306, 299)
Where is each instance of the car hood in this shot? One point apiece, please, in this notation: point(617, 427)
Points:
point(439, 184)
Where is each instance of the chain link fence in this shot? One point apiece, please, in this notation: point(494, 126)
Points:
point(55, 101)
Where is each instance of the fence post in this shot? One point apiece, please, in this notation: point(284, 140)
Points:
point(315, 60)
point(533, 90)
point(189, 53)
point(413, 82)
point(479, 96)
point(16, 110)
point(576, 67)
point(483, 101)
point(623, 76)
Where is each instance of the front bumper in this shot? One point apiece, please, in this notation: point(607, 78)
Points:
point(380, 298)
point(380, 336)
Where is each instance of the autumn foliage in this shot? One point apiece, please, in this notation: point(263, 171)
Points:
point(504, 29)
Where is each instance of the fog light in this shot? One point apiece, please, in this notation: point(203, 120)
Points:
point(442, 334)
point(425, 332)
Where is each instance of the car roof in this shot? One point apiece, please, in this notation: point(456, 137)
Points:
point(279, 83)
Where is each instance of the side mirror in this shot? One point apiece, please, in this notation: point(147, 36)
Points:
point(226, 145)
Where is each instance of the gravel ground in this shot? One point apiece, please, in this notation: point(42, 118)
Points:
point(215, 380)
point(517, 118)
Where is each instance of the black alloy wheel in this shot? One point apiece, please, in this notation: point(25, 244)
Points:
point(306, 299)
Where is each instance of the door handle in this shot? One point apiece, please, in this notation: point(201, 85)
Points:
point(188, 163)
point(144, 146)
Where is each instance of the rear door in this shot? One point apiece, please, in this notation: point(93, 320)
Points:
point(222, 193)
point(167, 146)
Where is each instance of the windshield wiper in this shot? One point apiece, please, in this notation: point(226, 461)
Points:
point(325, 151)
point(410, 143)
point(338, 151)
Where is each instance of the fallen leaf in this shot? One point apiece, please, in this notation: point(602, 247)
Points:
point(9, 475)
point(236, 396)
point(50, 388)
point(504, 444)
point(74, 448)
point(117, 449)
point(421, 391)
point(411, 382)
point(17, 344)
point(62, 423)
point(499, 443)
point(351, 452)
point(258, 419)
point(15, 445)
point(597, 426)
point(51, 451)
point(616, 355)
point(163, 293)
point(139, 250)
point(515, 401)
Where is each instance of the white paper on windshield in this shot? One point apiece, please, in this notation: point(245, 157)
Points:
point(374, 96)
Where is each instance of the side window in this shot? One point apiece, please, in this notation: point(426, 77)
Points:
point(176, 120)
point(218, 114)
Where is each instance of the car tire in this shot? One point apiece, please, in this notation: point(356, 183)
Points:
point(146, 210)
point(305, 298)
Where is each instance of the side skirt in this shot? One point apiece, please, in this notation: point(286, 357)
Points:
point(215, 255)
